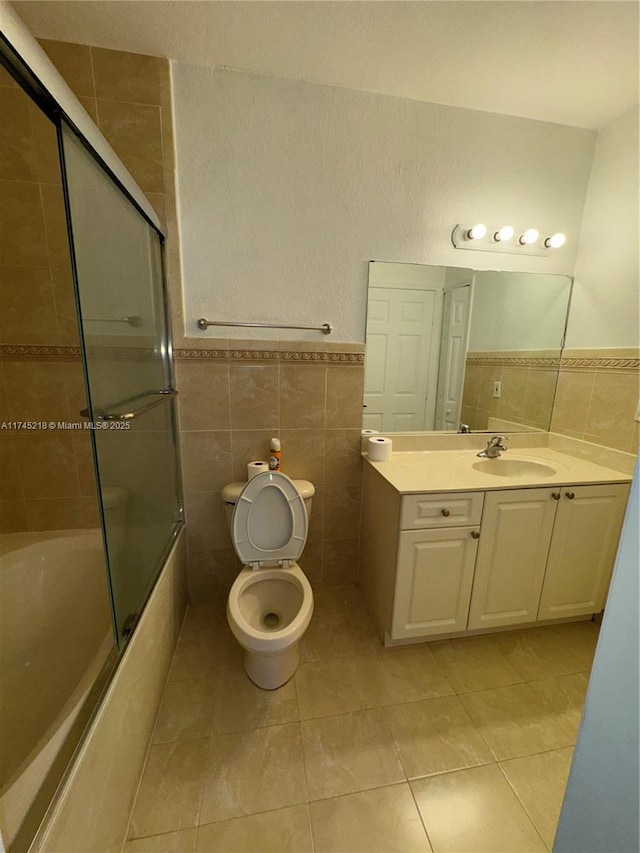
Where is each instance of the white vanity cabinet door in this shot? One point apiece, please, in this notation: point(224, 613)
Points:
point(433, 581)
point(512, 556)
point(583, 550)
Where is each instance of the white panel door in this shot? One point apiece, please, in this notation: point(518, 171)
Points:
point(583, 550)
point(512, 556)
point(433, 581)
point(399, 338)
point(453, 354)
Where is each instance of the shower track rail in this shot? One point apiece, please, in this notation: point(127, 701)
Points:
point(325, 328)
point(130, 415)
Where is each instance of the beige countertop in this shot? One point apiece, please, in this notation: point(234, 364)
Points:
point(420, 471)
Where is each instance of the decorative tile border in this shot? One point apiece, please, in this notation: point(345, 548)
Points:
point(269, 356)
point(601, 365)
point(39, 353)
point(524, 361)
point(49, 353)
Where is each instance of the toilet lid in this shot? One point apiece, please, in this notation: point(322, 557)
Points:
point(269, 520)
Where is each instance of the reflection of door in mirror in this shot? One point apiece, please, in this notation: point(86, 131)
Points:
point(447, 345)
point(403, 338)
point(456, 314)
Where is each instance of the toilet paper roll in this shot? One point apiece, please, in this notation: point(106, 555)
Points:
point(255, 468)
point(380, 449)
point(370, 432)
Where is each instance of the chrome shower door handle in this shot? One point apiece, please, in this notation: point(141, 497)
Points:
point(133, 413)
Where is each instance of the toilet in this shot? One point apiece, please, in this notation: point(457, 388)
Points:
point(271, 602)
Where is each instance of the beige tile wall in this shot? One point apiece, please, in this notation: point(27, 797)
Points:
point(228, 414)
point(46, 480)
point(598, 392)
point(528, 388)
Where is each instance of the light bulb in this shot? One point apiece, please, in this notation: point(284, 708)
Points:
point(555, 241)
point(529, 236)
point(505, 233)
point(477, 232)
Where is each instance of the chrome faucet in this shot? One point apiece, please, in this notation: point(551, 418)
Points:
point(464, 428)
point(494, 447)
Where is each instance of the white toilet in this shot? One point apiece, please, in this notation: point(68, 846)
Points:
point(271, 602)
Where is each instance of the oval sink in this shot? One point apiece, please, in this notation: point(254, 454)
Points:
point(502, 467)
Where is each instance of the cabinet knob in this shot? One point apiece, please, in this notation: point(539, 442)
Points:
point(570, 495)
point(446, 512)
point(475, 534)
point(556, 496)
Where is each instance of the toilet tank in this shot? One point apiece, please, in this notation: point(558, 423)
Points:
point(231, 493)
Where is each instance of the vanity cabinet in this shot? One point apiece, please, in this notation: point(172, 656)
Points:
point(439, 564)
point(545, 553)
point(437, 549)
point(512, 557)
point(583, 550)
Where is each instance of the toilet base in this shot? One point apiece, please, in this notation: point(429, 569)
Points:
point(272, 671)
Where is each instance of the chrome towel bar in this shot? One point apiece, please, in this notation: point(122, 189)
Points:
point(326, 328)
point(130, 415)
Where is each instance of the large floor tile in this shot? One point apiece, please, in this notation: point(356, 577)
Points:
point(238, 705)
point(410, 674)
point(581, 638)
point(564, 696)
point(183, 841)
point(281, 831)
point(514, 721)
point(169, 794)
point(199, 652)
point(250, 772)
point(340, 627)
point(348, 753)
point(336, 687)
point(474, 663)
point(383, 820)
point(539, 781)
point(436, 735)
point(185, 711)
point(474, 811)
point(537, 653)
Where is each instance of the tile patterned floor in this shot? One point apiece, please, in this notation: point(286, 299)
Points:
point(460, 745)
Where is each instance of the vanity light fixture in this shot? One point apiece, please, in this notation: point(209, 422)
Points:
point(502, 238)
point(503, 234)
point(556, 241)
point(477, 232)
point(530, 236)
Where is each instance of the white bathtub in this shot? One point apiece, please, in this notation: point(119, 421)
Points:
point(55, 636)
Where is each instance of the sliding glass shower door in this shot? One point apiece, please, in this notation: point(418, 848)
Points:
point(131, 412)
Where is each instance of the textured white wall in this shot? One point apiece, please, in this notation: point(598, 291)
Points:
point(604, 306)
point(514, 311)
point(288, 189)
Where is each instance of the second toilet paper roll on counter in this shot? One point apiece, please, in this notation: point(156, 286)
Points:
point(379, 448)
point(255, 468)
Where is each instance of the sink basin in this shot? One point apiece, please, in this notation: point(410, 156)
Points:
point(502, 467)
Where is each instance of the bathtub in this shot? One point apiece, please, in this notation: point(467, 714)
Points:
point(55, 638)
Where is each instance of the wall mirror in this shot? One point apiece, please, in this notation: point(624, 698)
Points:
point(448, 346)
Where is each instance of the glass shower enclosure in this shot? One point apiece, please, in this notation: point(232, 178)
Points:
point(122, 309)
point(90, 494)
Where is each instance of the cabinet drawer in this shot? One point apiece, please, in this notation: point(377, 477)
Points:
point(446, 509)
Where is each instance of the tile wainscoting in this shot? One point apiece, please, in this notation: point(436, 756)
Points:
point(597, 395)
point(232, 401)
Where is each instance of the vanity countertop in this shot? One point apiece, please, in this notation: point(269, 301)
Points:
point(419, 472)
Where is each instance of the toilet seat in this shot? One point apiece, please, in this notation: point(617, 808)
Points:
point(269, 525)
